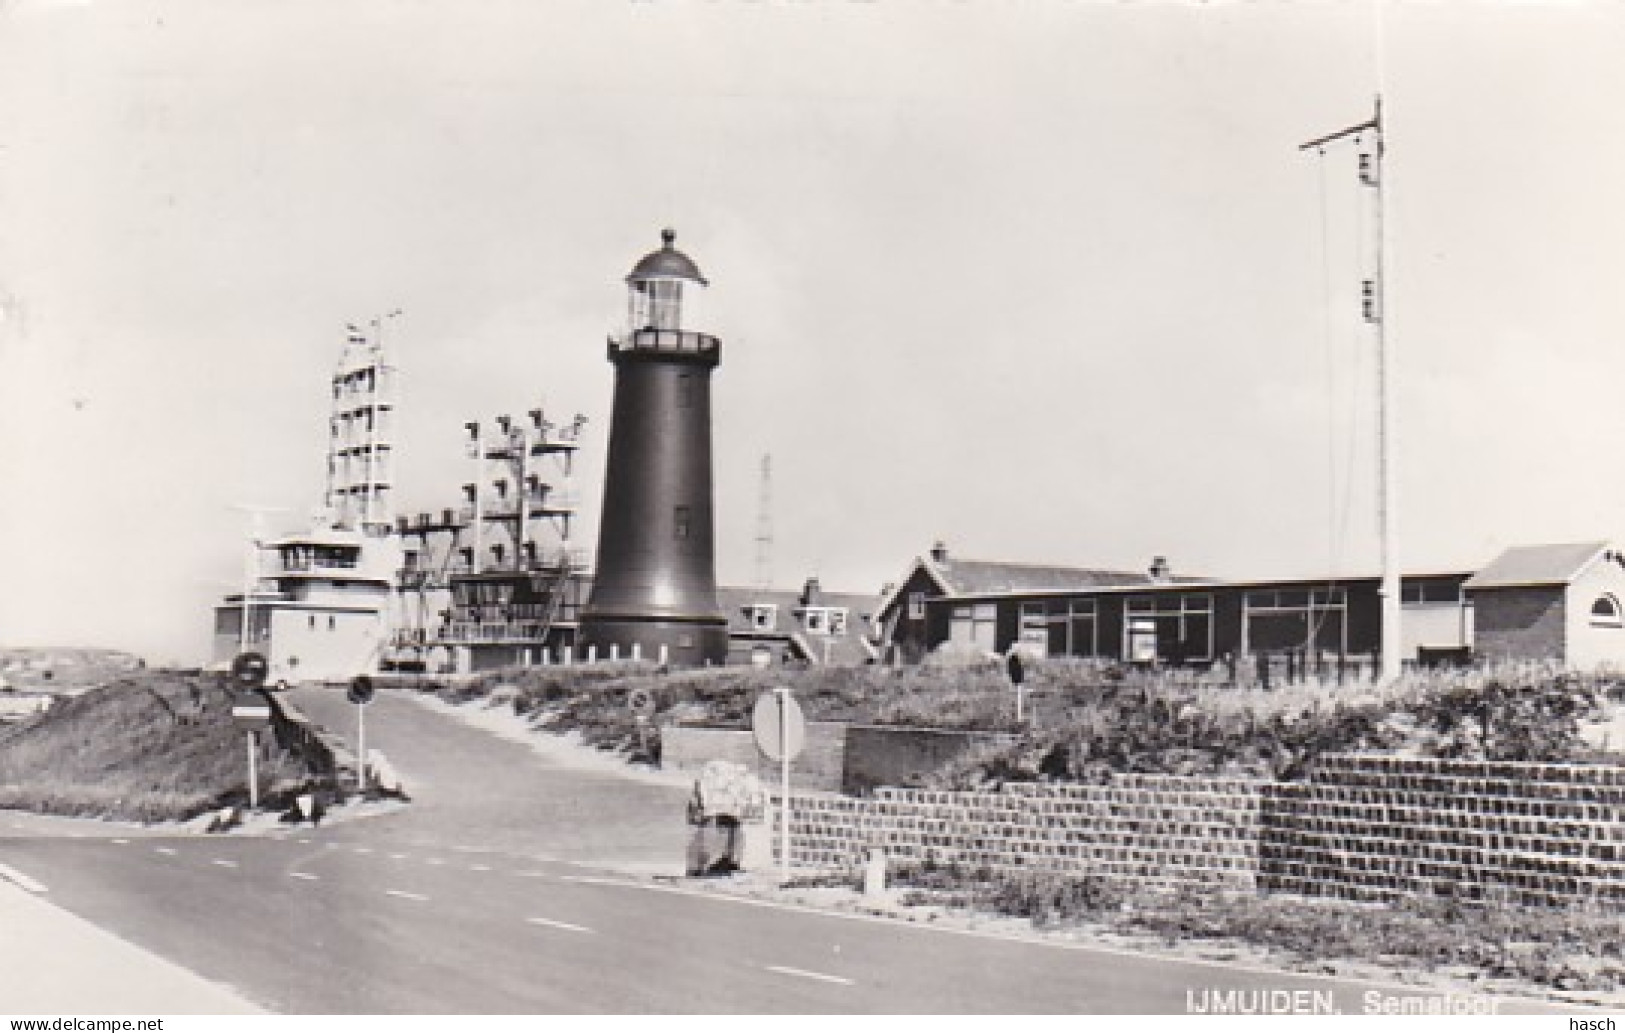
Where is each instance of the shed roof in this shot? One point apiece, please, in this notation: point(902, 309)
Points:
point(1525, 566)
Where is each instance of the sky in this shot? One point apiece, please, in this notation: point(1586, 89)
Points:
point(1046, 281)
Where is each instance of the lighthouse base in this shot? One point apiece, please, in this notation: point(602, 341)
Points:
point(690, 642)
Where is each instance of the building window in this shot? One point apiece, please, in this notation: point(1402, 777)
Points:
point(680, 520)
point(1605, 613)
point(1170, 628)
point(974, 624)
point(916, 606)
point(763, 616)
point(837, 621)
point(332, 623)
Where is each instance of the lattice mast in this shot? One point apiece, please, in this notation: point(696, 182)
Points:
point(360, 451)
point(764, 526)
point(1368, 138)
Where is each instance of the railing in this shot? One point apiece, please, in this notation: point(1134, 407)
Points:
point(303, 566)
point(680, 342)
point(494, 631)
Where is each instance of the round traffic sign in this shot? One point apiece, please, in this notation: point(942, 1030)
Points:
point(780, 728)
point(249, 670)
point(360, 690)
point(641, 702)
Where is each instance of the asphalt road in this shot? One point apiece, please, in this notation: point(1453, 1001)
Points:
point(491, 894)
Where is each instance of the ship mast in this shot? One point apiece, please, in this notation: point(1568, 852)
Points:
point(1368, 137)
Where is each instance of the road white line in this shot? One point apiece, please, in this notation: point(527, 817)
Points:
point(566, 926)
point(804, 974)
point(304, 875)
point(397, 857)
point(594, 880)
point(433, 860)
point(405, 895)
point(362, 849)
point(479, 867)
point(222, 862)
point(304, 841)
point(531, 875)
point(167, 851)
point(120, 842)
point(12, 875)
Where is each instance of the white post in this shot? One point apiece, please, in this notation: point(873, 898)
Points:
point(253, 771)
point(592, 653)
point(783, 695)
point(614, 651)
point(637, 651)
point(1020, 693)
point(662, 654)
point(361, 746)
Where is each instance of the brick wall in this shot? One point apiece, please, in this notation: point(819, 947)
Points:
point(1519, 623)
point(882, 755)
point(1157, 830)
point(1375, 828)
point(817, 768)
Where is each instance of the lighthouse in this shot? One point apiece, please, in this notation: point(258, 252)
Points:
point(654, 592)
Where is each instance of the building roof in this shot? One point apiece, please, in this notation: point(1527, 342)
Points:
point(668, 262)
point(1525, 566)
point(975, 577)
point(737, 603)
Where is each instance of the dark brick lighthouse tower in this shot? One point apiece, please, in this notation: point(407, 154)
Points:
point(654, 593)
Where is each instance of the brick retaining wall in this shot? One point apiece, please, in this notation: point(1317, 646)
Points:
point(1156, 830)
point(1376, 828)
point(1363, 828)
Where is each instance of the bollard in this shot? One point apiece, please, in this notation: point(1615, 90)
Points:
point(874, 873)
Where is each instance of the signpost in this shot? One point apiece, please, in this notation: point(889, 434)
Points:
point(253, 712)
point(780, 731)
point(1018, 674)
point(360, 693)
point(642, 704)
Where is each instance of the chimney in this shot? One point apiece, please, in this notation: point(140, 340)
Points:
point(811, 592)
point(1161, 573)
point(939, 552)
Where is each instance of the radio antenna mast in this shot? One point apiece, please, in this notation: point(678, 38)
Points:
point(764, 527)
point(1368, 138)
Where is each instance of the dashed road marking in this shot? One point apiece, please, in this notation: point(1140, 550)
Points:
point(433, 860)
point(405, 895)
point(479, 867)
point(592, 880)
point(12, 875)
point(304, 841)
point(531, 875)
point(167, 851)
point(120, 842)
point(397, 857)
point(804, 974)
point(304, 875)
point(222, 862)
point(362, 849)
point(566, 926)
